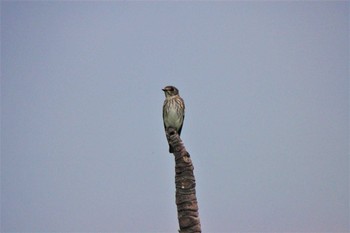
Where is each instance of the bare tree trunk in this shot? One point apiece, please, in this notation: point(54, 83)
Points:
point(186, 200)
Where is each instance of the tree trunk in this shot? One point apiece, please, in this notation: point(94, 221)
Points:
point(186, 200)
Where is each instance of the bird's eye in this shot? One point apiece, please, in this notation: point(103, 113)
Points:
point(171, 89)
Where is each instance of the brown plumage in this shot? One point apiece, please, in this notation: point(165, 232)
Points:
point(173, 110)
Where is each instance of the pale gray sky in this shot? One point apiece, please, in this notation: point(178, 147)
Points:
point(266, 89)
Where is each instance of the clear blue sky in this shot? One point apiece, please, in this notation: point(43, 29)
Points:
point(266, 90)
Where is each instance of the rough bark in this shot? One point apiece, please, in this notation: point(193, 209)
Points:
point(185, 183)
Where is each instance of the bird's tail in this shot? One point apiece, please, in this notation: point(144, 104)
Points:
point(171, 149)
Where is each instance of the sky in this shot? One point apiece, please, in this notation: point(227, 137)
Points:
point(266, 89)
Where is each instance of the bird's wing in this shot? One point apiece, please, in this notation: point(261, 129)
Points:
point(163, 115)
point(183, 119)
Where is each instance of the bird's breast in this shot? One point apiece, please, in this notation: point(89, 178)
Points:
point(173, 119)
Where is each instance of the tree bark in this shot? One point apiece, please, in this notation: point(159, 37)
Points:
point(185, 183)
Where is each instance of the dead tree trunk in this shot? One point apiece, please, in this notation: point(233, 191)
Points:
point(185, 183)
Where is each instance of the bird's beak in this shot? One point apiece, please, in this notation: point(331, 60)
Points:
point(163, 89)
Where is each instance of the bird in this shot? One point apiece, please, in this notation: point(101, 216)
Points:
point(173, 111)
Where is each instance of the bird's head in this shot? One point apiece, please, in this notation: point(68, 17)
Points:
point(170, 91)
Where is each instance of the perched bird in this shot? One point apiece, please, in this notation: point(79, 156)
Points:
point(173, 110)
